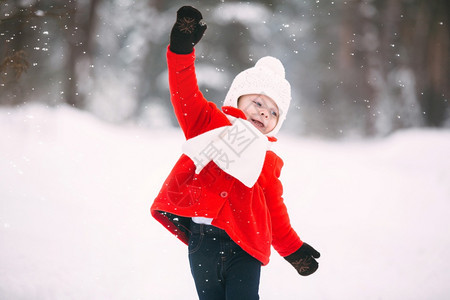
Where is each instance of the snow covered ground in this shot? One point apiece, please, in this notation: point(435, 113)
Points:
point(75, 224)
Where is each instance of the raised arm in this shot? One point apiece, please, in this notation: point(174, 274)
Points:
point(193, 111)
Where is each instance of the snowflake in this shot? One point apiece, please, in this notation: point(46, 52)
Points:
point(186, 25)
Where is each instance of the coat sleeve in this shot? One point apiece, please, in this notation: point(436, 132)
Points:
point(284, 238)
point(194, 113)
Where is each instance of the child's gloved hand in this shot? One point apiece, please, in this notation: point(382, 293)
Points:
point(187, 31)
point(303, 260)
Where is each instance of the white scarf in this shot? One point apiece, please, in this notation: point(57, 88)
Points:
point(238, 149)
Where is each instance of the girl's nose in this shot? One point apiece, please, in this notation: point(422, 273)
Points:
point(264, 114)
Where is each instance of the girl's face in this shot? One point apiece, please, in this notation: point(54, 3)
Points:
point(260, 110)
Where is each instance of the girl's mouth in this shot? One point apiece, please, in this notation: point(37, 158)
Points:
point(257, 123)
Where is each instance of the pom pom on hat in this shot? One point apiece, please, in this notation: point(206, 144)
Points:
point(267, 77)
point(272, 64)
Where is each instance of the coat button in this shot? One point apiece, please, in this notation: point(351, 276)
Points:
point(223, 194)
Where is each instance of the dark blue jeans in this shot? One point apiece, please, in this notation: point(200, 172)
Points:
point(221, 269)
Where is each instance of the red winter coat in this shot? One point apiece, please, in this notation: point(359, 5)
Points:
point(255, 218)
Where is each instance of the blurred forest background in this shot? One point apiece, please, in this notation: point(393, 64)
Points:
point(359, 68)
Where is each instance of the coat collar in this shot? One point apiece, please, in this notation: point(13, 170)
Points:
point(233, 111)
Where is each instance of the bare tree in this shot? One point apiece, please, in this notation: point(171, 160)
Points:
point(80, 21)
point(13, 54)
point(428, 40)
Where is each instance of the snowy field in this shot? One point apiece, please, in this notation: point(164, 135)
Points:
point(75, 223)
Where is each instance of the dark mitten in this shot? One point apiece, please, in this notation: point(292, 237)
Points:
point(303, 260)
point(187, 31)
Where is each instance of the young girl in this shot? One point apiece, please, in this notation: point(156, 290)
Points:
point(223, 197)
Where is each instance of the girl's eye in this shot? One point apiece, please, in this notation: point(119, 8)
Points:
point(257, 103)
point(274, 113)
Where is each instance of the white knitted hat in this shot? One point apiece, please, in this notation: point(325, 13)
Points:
point(267, 77)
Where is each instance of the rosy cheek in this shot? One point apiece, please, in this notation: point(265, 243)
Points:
point(272, 125)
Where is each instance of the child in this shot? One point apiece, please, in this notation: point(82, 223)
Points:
point(223, 197)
